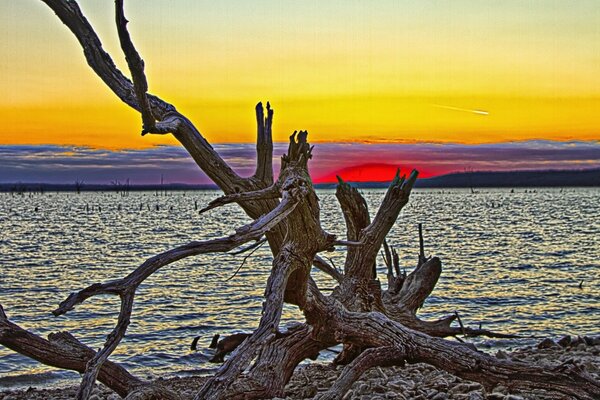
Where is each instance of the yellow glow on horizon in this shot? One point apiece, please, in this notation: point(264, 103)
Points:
point(346, 71)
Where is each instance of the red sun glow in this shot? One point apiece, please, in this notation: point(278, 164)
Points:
point(372, 172)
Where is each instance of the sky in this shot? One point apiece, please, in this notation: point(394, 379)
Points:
point(443, 75)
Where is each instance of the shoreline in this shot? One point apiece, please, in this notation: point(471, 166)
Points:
point(413, 381)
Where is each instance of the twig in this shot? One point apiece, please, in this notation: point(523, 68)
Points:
point(422, 258)
point(332, 263)
point(347, 243)
point(462, 327)
point(256, 247)
point(387, 258)
point(245, 249)
point(271, 192)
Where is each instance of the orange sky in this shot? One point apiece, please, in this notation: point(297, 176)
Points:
point(385, 71)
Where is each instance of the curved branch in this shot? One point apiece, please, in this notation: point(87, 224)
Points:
point(126, 287)
point(99, 60)
point(253, 246)
point(114, 338)
point(440, 327)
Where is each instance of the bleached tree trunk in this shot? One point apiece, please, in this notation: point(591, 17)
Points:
point(377, 326)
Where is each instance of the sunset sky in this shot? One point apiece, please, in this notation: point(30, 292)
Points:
point(479, 76)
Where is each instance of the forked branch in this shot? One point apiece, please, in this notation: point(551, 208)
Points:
point(169, 119)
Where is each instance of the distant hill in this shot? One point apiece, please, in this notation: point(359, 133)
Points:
point(590, 177)
point(563, 178)
point(550, 178)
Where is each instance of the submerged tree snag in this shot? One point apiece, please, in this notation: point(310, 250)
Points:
point(377, 325)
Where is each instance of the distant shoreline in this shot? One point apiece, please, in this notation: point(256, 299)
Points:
point(509, 179)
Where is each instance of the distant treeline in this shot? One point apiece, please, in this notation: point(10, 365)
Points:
point(564, 178)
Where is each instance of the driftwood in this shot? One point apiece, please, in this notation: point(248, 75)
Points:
point(376, 325)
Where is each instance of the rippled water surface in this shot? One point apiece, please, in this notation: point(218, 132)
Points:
point(512, 261)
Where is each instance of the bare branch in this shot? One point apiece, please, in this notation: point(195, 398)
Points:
point(376, 330)
point(422, 258)
point(136, 67)
point(322, 265)
point(271, 192)
point(102, 64)
point(395, 199)
point(254, 245)
point(126, 287)
point(114, 338)
point(374, 234)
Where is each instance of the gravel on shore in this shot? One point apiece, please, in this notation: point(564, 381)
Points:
point(416, 381)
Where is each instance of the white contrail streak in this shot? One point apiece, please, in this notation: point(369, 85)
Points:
point(479, 112)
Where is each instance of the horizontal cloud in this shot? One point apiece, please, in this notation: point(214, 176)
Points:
point(58, 164)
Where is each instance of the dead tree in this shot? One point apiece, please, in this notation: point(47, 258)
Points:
point(377, 326)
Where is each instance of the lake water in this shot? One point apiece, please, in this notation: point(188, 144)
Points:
point(512, 261)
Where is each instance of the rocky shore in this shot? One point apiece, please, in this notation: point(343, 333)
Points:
point(416, 381)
